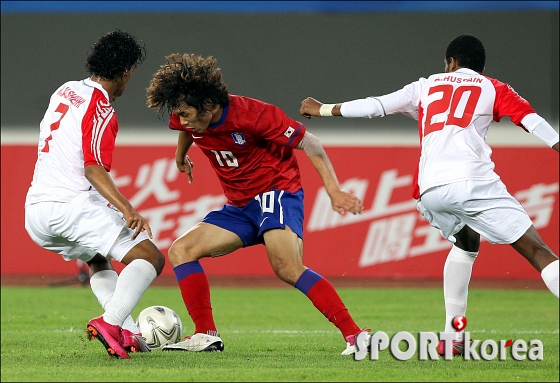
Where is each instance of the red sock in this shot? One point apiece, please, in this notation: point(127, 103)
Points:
point(196, 295)
point(325, 298)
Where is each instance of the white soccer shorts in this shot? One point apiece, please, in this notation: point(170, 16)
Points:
point(82, 228)
point(484, 205)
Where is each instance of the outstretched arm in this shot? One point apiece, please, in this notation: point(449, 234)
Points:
point(313, 108)
point(541, 129)
point(404, 101)
point(341, 201)
point(103, 183)
point(365, 107)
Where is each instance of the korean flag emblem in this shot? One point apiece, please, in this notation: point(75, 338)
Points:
point(288, 133)
point(238, 138)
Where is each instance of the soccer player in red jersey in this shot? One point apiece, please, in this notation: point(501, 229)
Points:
point(250, 145)
point(73, 207)
point(456, 188)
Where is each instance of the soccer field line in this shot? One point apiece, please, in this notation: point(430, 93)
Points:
point(389, 331)
point(483, 331)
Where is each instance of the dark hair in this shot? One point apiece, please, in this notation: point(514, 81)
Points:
point(113, 54)
point(468, 51)
point(187, 78)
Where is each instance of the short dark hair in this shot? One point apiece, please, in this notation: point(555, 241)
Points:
point(113, 54)
point(468, 51)
point(187, 78)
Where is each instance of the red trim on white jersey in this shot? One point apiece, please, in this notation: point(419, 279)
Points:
point(454, 111)
point(79, 129)
point(98, 142)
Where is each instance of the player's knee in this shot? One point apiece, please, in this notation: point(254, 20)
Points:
point(99, 263)
point(287, 273)
point(155, 257)
point(147, 251)
point(158, 261)
point(180, 252)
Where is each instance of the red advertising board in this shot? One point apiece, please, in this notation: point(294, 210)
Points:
point(389, 240)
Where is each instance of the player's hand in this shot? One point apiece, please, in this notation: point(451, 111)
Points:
point(185, 165)
point(343, 201)
point(310, 108)
point(138, 223)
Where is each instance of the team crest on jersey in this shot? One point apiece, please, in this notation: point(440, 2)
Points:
point(288, 133)
point(238, 138)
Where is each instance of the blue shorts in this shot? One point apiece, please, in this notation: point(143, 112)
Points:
point(271, 210)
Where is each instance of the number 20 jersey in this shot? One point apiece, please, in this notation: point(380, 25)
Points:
point(79, 129)
point(454, 111)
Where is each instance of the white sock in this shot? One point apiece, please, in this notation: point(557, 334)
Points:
point(456, 277)
point(550, 277)
point(103, 284)
point(135, 278)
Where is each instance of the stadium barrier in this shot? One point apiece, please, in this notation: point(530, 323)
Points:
point(389, 240)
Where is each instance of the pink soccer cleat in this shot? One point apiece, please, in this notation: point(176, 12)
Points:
point(457, 348)
point(134, 342)
point(109, 335)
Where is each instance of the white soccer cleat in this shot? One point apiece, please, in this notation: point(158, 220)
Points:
point(197, 342)
point(351, 348)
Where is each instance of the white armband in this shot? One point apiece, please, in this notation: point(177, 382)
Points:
point(365, 107)
point(541, 129)
point(326, 110)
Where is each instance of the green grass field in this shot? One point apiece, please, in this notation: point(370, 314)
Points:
point(273, 335)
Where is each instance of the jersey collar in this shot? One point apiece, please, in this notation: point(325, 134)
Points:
point(221, 120)
point(89, 82)
point(467, 71)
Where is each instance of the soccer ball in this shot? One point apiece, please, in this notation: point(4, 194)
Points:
point(160, 326)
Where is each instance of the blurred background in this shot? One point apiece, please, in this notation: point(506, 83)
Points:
point(278, 51)
point(282, 52)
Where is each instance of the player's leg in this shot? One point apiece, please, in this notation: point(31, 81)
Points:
point(103, 281)
point(281, 226)
point(533, 248)
point(489, 210)
point(203, 240)
point(284, 249)
point(144, 262)
point(102, 229)
point(457, 272)
point(442, 213)
point(501, 219)
point(85, 228)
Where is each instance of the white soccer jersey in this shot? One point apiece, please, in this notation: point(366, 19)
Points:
point(454, 111)
point(79, 129)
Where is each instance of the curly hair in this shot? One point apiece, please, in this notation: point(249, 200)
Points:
point(468, 51)
point(189, 79)
point(113, 54)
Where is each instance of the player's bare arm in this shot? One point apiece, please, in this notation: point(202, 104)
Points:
point(341, 201)
point(184, 163)
point(555, 146)
point(313, 108)
point(102, 182)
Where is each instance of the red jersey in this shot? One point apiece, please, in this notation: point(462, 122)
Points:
point(250, 148)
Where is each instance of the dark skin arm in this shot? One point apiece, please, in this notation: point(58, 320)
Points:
point(102, 182)
point(310, 108)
